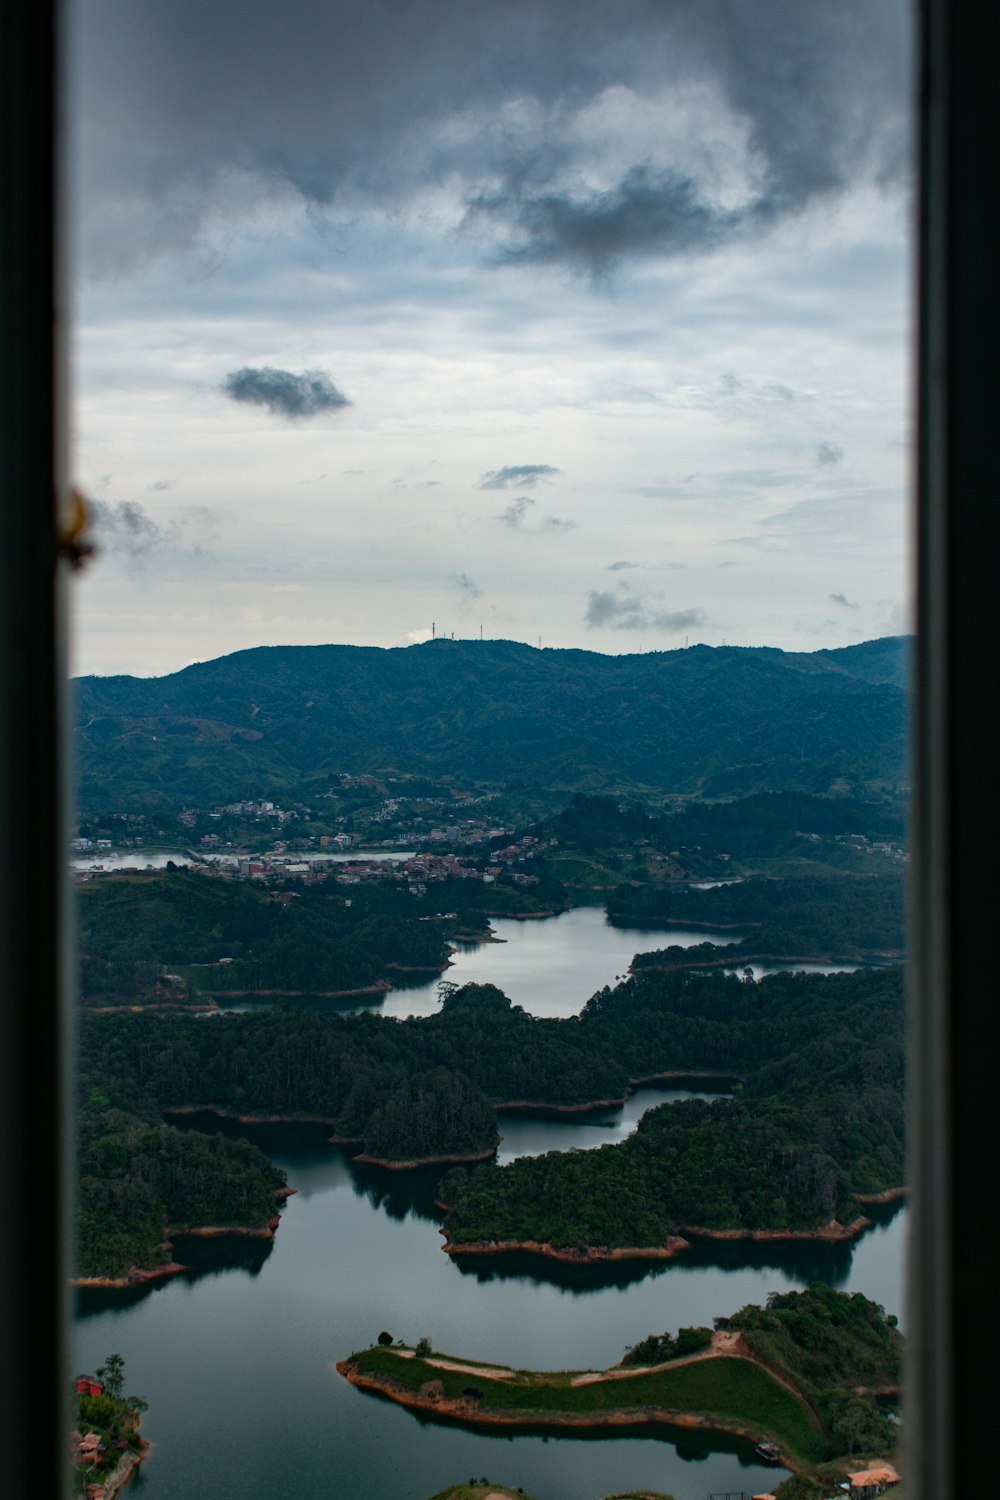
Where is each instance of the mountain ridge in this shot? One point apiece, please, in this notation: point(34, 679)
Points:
point(703, 720)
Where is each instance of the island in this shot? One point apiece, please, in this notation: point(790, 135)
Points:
point(796, 1378)
point(814, 1125)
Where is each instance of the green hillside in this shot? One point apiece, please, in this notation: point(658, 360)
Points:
point(714, 721)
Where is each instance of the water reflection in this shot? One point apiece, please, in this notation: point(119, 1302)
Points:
point(690, 1445)
point(202, 1259)
point(796, 1261)
point(226, 1360)
point(316, 1167)
point(551, 966)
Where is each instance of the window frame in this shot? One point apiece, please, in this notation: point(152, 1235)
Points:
point(950, 1313)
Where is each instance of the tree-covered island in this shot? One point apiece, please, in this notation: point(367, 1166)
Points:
point(815, 1121)
point(799, 1373)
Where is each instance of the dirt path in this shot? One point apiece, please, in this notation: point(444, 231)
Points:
point(722, 1343)
point(725, 1343)
point(486, 1371)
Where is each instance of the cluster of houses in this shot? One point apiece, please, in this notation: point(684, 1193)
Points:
point(863, 1484)
point(87, 1449)
point(414, 870)
point(869, 846)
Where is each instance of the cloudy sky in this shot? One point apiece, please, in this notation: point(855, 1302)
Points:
point(558, 319)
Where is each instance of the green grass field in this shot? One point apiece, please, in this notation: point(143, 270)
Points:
point(736, 1391)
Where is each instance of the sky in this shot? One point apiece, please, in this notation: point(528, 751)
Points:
point(560, 321)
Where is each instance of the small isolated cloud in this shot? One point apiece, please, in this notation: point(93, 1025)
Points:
point(467, 588)
point(524, 476)
point(128, 530)
point(284, 394)
point(630, 611)
point(516, 517)
point(516, 513)
point(842, 600)
point(616, 567)
point(828, 454)
point(161, 484)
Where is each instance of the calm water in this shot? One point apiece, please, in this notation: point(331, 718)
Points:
point(156, 859)
point(236, 1356)
point(550, 966)
point(530, 1135)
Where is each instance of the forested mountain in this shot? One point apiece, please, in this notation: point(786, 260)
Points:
point(719, 721)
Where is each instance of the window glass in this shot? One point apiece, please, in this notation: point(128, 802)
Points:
point(577, 327)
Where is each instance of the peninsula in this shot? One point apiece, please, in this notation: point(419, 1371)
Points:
point(791, 1376)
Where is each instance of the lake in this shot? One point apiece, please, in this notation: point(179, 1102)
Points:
point(109, 860)
point(236, 1358)
point(236, 1355)
point(550, 965)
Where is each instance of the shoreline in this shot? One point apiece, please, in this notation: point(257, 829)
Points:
point(743, 960)
point(139, 1275)
point(122, 1471)
point(676, 1076)
point(486, 1154)
point(592, 1255)
point(831, 1233)
point(468, 1412)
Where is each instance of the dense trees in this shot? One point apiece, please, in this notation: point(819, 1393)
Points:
point(766, 825)
point(218, 936)
point(765, 1164)
point(838, 1348)
point(846, 916)
point(437, 1113)
point(137, 1179)
point(818, 1116)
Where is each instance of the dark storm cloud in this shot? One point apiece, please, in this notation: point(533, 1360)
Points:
point(828, 454)
point(285, 394)
point(512, 475)
point(842, 600)
point(646, 214)
point(629, 611)
point(374, 103)
point(616, 567)
point(161, 484)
